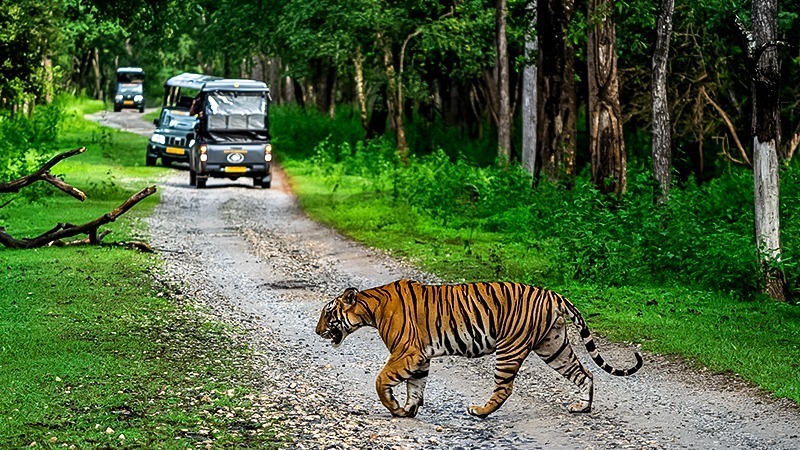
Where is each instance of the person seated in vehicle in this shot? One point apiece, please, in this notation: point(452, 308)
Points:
point(196, 109)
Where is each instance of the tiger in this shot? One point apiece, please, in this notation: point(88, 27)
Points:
point(418, 322)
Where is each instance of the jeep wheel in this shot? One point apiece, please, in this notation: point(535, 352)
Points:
point(117, 108)
point(201, 181)
point(266, 184)
point(150, 160)
point(259, 182)
point(141, 109)
point(192, 178)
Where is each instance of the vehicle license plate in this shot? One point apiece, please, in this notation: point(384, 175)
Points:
point(235, 169)
point(128, 102)
point(175, 151)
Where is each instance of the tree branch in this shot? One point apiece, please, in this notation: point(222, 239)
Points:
point(66, 230)
point(44, 174)
point(731, 128)
point(791, 145)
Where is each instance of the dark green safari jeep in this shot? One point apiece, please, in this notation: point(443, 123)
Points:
point(232, 138)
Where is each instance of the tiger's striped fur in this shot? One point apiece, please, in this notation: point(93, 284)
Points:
point(418, 322)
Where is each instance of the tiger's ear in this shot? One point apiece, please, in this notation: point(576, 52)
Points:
point(349, 296)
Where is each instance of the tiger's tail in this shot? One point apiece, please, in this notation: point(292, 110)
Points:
point(586, 336)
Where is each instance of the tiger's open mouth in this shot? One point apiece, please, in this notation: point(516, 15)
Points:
point(334, 335)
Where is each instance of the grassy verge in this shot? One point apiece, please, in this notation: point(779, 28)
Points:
point(726, 330)
point(94, 354)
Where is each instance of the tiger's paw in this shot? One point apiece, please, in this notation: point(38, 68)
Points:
point(402, 412)
point(478, 411)
point(411, 410)
point(580, 407)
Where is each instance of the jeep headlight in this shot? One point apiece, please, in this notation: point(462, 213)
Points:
point(118, 97)
point(203, 153)
point(158, 139)
point(138, 98)
point(268, 152)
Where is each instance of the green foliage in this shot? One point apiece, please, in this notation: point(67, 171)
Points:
point(26, 142)
point(296, 132)
point(702, 237)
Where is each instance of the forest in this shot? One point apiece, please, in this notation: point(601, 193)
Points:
point(632, 130)
point(635, 156)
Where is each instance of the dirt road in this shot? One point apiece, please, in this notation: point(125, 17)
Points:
point(254, 259)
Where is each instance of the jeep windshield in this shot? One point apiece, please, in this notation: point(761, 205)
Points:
point(130, 88)
point(178, 120)
point(236, 116)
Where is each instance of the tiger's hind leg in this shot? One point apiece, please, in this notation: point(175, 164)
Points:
point(416, 388)
point(509, 360)
point(557, 352)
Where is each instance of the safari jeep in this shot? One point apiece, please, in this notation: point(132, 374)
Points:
point(130, 89)
point(232, 138)
point(175, 126)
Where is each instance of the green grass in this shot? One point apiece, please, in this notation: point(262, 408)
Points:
point(748, 335)
point(91, 348)
point(152, 115)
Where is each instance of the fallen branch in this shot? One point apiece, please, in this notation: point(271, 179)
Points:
point(67, 230)
point(44, 174)
point(731, 128)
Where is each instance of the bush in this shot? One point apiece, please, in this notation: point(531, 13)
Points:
point(25, 141)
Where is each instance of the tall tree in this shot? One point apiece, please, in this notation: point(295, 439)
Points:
point(662, 142)
point(504, 102)
point(556, 102)
point(529, 94)
point(606, 144)
point(766, 141)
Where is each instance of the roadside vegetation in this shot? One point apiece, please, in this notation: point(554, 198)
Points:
point(679, 278)
point(94, 352)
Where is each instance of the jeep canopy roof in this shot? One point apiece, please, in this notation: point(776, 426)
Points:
point(228, 84)
point(190, 80)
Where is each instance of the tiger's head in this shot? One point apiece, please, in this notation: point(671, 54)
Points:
point(340, 317)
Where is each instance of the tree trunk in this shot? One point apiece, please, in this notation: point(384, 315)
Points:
point(606, 144)
point(662, 143)
point(503, 113)
point(361, 98)
point(766, 141)
point(556, 84)
point(98, 87)
point(529, 98)
point(394, 102)
point(332, 96)
point(48, 79)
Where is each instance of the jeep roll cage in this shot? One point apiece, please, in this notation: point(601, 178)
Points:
point(174, 95)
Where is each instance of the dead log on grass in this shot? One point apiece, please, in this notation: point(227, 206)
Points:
point(62, 231)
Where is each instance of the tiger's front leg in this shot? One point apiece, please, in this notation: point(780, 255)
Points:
point(416, 388)
point(397, 370)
